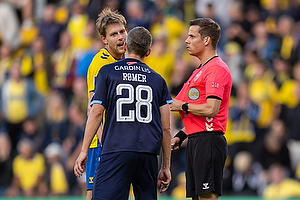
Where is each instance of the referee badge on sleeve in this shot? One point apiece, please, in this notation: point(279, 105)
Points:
point(193, 93)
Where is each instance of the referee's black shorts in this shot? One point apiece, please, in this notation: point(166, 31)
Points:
point(205, 158)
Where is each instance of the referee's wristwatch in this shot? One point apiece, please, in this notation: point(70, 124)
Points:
point(185, 108)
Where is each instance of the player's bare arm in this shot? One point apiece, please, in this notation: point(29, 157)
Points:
point(93, 122)
point(89, 102)
point(164, 176)
point(99, 132)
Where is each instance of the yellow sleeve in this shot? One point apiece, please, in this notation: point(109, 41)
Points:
point(286, 94)
point(100, 59)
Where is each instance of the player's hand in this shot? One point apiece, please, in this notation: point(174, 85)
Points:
point(164, 179)
point(175, 144)
point(80, 164)
point(176, 105)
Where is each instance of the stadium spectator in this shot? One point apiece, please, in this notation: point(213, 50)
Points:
point(28, 172)
point(85, 58)
point(263, 92)
point(9, 25)
point(234, 58)
point(238, 30)
point(281, 186)
point(33, 130)
point(262, 41)
point(63, 64)
point(73, 142)
point(57, 180)
point(19, 101)
point(49, 29)
point(136, 15)
point(274, 148)
point(36, 66)
point(56, 123)
point(282, 71)
point(246, 176)
point(6, 159)
point(242, 118)
point(81, 29)
point(5, 61)
point(161, 55)
point(289, 97)
point(287, 38)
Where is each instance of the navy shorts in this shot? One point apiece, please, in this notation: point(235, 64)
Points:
point(205, 158)
point(91, 166)
point(117, 171)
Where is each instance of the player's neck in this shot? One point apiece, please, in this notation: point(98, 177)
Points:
point(206, 56)
point(134, 56)
point(115, 55)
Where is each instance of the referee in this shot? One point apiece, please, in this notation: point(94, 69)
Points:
point(203, 105)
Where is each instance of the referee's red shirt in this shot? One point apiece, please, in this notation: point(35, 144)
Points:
point(211, 79)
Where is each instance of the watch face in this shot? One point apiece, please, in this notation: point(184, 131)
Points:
point(185, 107)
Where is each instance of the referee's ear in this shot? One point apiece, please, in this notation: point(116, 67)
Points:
point(148, 52)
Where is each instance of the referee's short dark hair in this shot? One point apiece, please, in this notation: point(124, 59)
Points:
point(208, 27)
point(139, 41)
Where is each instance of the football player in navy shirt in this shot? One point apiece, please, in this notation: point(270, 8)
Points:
point(137, 126)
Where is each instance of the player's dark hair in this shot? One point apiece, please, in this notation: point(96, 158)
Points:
point(208, 27)
point(139, 41)
point(107, 17)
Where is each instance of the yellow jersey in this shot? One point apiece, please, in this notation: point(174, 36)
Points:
point(287, 188)
point(103, 57)
point(287, 94)
point(28, 171)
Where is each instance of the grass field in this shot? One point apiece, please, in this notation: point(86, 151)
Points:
point(162, 198)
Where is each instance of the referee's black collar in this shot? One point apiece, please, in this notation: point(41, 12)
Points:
point(207, 61)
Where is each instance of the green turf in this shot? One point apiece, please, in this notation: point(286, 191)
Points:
point(160, 198)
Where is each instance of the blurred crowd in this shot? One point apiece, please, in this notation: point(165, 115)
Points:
point(46, 47)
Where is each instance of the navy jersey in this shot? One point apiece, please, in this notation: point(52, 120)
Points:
point(132, 94)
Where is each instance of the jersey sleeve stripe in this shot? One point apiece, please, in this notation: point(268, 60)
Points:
point(95, 101)
point(170, 101)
